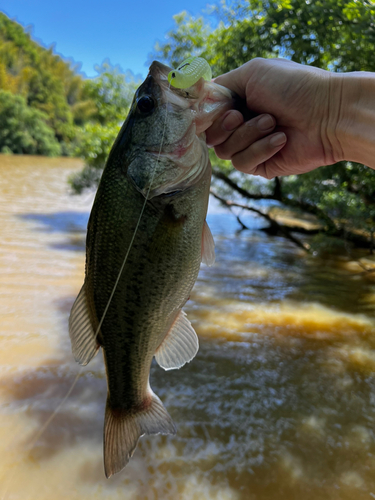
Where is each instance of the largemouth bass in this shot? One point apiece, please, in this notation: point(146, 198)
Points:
point(160, 156)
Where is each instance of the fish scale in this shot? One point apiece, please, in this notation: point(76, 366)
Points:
point(145, 318)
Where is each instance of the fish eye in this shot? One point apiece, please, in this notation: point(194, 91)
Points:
point(145, 104)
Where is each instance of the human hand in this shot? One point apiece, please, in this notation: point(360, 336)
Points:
point(298, 109)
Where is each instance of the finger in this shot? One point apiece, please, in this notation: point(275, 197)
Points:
point(245, 135)
point(233, 81)
point(222, 128)
point(268, 171)
point(276, 166)
point(259, 152)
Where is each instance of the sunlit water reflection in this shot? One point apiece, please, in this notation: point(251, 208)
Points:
point(278, 404)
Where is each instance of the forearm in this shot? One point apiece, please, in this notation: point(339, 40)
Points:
point(355, 129)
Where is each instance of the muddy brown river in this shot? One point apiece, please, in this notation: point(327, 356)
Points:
point(279, 403)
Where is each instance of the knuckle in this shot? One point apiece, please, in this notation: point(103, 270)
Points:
point(258, 62)
point(268, 173)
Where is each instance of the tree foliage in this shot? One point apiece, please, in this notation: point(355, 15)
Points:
point(82, 114)
point(48, 83)
point(23, 129)
point(110, 93)
point(330, 34)
point(338, 35)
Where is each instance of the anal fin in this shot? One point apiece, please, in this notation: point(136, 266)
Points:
point(179, 346)
point(81, 332)
point(123, 428)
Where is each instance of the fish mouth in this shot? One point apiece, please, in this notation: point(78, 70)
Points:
point(207, 100)
point(194, 109)
point(159, 71)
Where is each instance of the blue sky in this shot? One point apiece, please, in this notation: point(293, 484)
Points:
point(90, 31)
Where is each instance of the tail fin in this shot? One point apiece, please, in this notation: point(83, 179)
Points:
point(123, 429)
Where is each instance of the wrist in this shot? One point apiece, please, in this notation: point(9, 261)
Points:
point(353, 112)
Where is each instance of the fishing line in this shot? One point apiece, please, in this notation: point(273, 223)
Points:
point(52, 416)
point(138, 222)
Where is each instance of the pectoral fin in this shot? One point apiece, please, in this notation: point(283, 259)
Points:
point(208, 246)
point(81, 331)
point(179, 346)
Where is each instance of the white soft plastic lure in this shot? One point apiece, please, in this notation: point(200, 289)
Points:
point(189, 72)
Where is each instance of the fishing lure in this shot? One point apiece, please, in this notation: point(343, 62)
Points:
point(189, 72)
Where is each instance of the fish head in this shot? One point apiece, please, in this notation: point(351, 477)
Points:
point(164, 132)
point(206, 101)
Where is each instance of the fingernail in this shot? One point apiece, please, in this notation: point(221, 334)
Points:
point(278, 139)
point(232, 121)
point(266, 122)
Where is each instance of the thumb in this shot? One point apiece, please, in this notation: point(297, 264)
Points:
point(233, 81)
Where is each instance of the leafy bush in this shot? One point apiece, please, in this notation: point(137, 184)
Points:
point(94, 142)
point(110, 93)
point(24, 130)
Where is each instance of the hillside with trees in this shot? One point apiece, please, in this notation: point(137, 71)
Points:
point(43, 80)
point(47, 107)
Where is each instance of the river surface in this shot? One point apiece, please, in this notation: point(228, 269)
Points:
point(278, 404)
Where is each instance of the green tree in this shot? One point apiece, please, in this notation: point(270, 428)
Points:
point(338, 35)
point(47, 82)
point(84, 114)
point(24, 130)
point(94, 142)
point(110, 95)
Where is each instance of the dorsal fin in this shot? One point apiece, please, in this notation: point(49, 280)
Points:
point(179, 346)
point(208, 246)
point(81, 331)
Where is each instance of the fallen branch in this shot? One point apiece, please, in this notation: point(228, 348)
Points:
point(277, 196)
point(243, 226)
point(366, 270)
point(330, 228)
point(275, 226)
